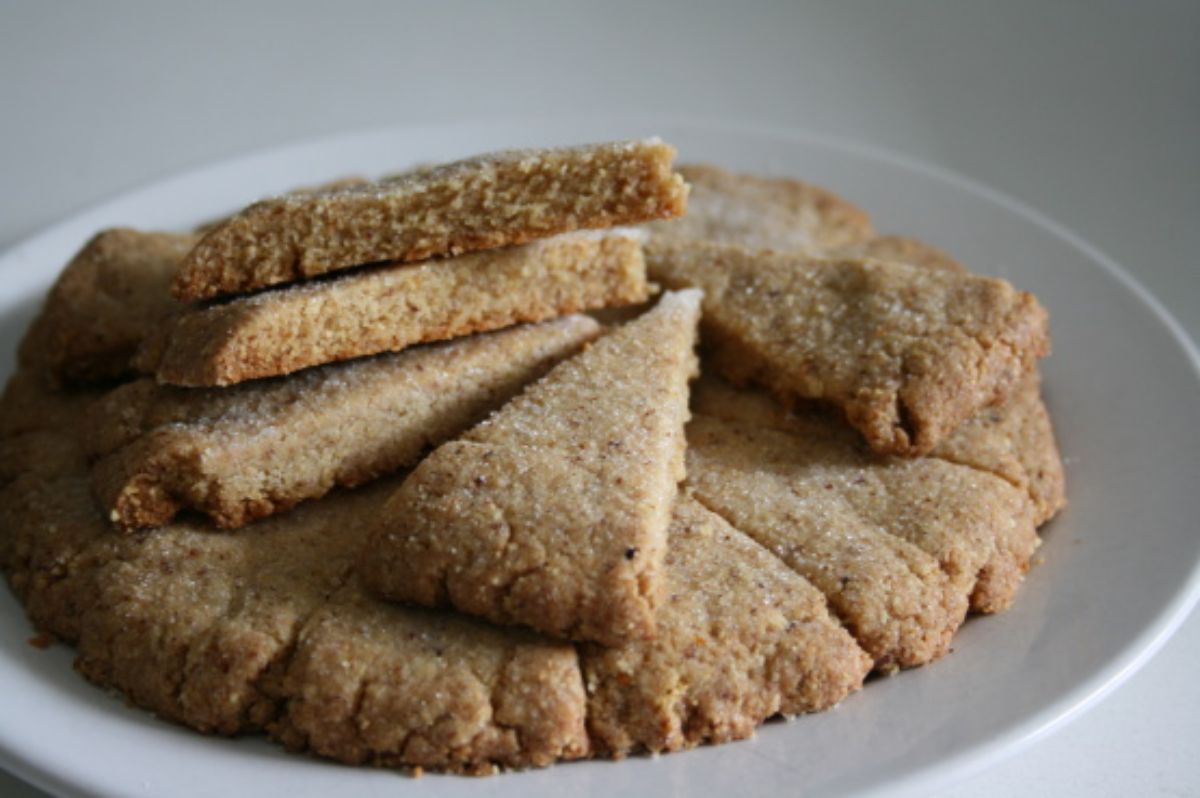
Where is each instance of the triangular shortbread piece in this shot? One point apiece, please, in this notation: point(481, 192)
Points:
point(484, 202)
point(107, 299)
point(386, 308)
point(907, 353)
point(978, 528)
point(553, 513)
point(241, 453)
point(763, 213)
point(740, 639)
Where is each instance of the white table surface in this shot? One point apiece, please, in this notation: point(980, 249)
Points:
point(1088, 111)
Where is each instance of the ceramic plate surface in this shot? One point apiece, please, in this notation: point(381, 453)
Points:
point(1120, 566)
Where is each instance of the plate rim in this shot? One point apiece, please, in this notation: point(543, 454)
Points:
point(1072, 705)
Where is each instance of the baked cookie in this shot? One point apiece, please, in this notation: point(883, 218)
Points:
point(979, 528)
point(1014, 441)
point(270, 630)
point(484, 202)
point(739, 639)
point(241, 453)
point(762, 213)
point(387, 308)
point(553, 513)
point(111, 294)
point(907, 353)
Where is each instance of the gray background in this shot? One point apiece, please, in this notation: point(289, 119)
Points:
point(1088, 111)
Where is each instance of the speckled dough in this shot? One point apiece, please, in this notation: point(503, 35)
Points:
point(479, 203)
point(553, 513)
point(387, 308)
point(978, 528)
point(237, 633)
point(107, 299)
point(1014, 441)
point(245, 452)
point(908, 353)
point(739, 639)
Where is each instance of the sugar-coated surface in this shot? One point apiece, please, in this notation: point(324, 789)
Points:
point(269, 630)
point(979, 528)
point(387, 308)
point(484, 202)
point(907, 352)
point(553, 512)
point(248, 451)
point(739, 639)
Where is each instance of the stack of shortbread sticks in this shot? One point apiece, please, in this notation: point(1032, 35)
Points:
point(240, 466)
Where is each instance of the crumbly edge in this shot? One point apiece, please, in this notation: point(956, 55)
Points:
point(479, 203)
point(392, 307)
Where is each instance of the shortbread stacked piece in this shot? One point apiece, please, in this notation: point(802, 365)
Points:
point(244, 446)
point(653, 563)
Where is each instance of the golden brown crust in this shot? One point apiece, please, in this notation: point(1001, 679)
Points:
point(553, 513)
point(235, 633)
point(388, 308)
point(908, 353)
point(386, 685)
point(762, 213)
point(107, 299)
point(978, 528)
point(739, 639)
point(245, 452)
point(484, 202)
point(1015, 441)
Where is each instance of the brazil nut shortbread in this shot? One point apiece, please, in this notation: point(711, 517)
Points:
point(252, 450)
point(739, 639)
point(387, 308)
point(553, 513)
point(907, 353)
point(483, 202)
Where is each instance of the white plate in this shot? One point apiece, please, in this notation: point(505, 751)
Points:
point(1122, 564)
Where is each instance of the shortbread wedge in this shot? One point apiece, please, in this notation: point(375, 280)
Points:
point(553, 513)
point(907, 353)
point(978, 528)
point(106, 300)
point(387, 308)
point(483, 202)
point(740, 639)
point(241, 453)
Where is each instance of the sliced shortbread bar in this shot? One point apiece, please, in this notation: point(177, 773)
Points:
point(739, 638)
point(107, 299)
point(484, 202)
point(240, 453)
point(553, 513)
point(908, 353)
point(387, 308)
